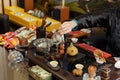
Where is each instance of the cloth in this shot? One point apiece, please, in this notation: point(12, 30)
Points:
point(109, 19)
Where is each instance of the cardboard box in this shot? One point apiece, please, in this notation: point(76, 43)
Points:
point(13, 9)
point(18, 16)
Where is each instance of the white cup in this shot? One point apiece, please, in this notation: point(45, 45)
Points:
point(74, 40)
point(54, 63)
point(79, 66)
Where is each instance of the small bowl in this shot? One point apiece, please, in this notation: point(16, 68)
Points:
point(79, 66)
point(117, 64)
point(74, 40)
point(54, 63)
point(42, 44)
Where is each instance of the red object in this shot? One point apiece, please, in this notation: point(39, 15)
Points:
point(62, 49)
point(75, 32)
point(92, 49)
point(78, 33)
point(8, 35)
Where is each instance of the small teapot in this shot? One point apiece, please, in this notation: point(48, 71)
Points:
point(72, 50)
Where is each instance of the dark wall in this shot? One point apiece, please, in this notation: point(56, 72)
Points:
point(77, 7)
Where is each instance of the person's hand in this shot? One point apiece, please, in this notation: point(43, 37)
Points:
point(66, 27)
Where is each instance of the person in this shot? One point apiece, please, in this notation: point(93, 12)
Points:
point(110, 19)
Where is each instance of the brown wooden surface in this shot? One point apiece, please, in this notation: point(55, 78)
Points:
point(29, 5)
point(6, 73)
point(64, 13)
point(61, 74)
point(64, 74)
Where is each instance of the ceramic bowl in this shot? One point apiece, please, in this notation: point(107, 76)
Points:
point(54, 63)
point(42, 43)
point(79, 66)
point(74, 40)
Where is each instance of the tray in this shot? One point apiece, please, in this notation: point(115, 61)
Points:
point(68, 63)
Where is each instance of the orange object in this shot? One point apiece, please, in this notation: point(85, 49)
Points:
point(60, 13)
point(62, 49)
point(92, 71)
point(11, 43)
point(77, 34)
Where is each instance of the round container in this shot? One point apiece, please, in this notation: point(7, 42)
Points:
point(79, 66)
point(74, 40)
point(42, 44)
point(54, 63)
point(15, 56)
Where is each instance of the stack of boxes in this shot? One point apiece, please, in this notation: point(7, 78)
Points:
point(18, 16)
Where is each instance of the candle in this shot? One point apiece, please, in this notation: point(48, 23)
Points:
point(63, 3)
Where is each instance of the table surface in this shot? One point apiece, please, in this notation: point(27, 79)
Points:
point(6, 73)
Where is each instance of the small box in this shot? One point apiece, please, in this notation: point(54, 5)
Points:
point(39, 73)
point(60, 13)
point(24, 19)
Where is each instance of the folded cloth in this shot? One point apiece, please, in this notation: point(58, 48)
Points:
point(91, 49)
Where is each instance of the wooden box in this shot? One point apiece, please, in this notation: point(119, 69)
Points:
point(60, 13)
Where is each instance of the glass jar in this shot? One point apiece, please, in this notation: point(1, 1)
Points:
point(15, 56)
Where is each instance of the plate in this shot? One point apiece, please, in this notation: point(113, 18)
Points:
point(117, 64)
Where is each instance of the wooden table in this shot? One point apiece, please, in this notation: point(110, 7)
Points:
point(63, 74)
point(6, 73)
point(60, 74)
